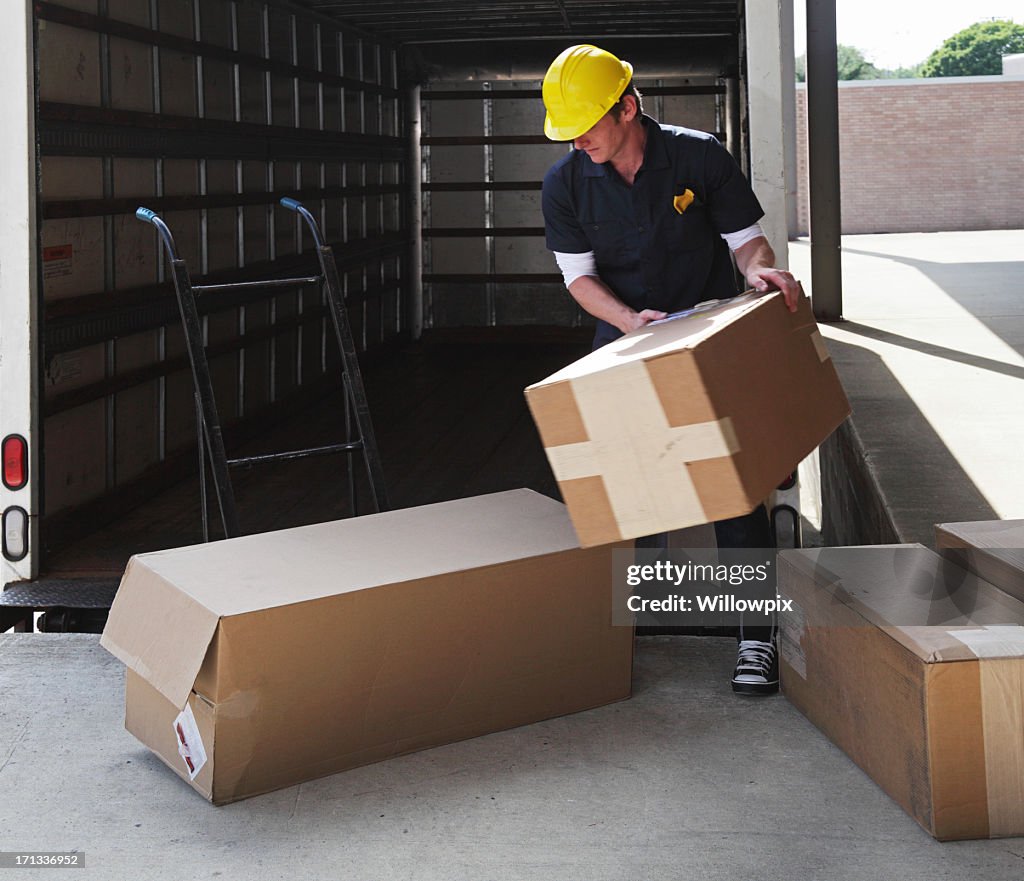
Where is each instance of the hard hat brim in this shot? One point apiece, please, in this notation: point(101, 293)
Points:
point(565, 132)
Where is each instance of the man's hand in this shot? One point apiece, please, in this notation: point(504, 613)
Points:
point(756, 261)
point(597, 299)
point(771, 279)
point(641, 319)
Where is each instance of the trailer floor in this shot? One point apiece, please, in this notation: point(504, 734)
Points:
point(451, 421)
point(683, 781)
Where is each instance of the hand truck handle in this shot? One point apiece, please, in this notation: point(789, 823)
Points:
point(150, 216)
point(294, 205)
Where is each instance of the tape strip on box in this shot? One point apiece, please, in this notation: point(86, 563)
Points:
point(998, 649)
point(996, 641)
point(1002, 685)
point(641, 458)
point(819, 345)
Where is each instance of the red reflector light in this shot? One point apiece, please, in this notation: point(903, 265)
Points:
point(15, 456)
point(788, 483)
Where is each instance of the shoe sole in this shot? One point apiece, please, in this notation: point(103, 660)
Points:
point(755, 688)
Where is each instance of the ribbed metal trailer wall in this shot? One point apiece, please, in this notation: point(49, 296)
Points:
point(207, 111)
point(484, 157)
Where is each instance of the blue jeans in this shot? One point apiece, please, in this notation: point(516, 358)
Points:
point(751, 530)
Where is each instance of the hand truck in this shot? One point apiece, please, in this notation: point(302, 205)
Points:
point(208, 426)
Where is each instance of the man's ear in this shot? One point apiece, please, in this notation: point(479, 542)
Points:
point(630, 108)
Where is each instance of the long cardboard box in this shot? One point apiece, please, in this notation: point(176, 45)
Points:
point(690, 420)
point(991, 549)
point(915, 668)
point(263, 661)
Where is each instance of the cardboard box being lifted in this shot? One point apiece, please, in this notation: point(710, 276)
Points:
point(690, 420)
point(914, 667)
point(991, 549)
point(260, 662)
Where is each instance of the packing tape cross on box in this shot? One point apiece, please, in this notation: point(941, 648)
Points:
point(644, 468)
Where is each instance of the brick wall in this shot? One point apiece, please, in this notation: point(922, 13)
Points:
point(925, 155)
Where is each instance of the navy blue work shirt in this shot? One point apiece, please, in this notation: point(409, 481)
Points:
point(649, 254)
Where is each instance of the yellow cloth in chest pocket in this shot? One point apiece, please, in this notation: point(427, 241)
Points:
point(683, 201)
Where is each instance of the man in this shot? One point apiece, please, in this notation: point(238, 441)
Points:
point(641, 218)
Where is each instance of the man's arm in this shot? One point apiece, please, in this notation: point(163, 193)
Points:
point(597, 299)
point(573, 252)
point(733, 206)
point(756, 260)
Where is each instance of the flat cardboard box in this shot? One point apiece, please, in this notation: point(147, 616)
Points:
point(688, 421)
point(991, 549)
point(914, 667)
point(296, 654)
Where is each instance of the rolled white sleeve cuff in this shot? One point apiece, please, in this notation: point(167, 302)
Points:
point(739, 238)
point(575, 266)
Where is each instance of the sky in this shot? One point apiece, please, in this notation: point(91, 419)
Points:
point(900, 33)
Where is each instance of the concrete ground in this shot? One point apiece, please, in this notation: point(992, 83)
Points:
point(684, 781)
point(931, 352)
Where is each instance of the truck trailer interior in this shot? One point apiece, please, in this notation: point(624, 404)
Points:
point(413, 133)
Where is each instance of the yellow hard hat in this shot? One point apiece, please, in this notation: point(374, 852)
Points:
point(580, 87)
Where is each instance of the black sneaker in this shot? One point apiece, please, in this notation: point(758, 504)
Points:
point(757, 668)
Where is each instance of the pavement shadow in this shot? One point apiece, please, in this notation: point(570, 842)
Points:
point(979, 288)
point(944, 352)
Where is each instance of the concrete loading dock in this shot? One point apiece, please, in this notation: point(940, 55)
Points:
point(648, 788)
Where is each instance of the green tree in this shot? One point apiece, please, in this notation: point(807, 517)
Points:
point(903, 73)
point(977, 50)
point(851, 63)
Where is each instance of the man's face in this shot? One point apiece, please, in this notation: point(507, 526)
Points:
point(609, 137)
point(605, 140)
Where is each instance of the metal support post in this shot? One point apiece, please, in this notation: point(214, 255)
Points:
point(823, 160)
